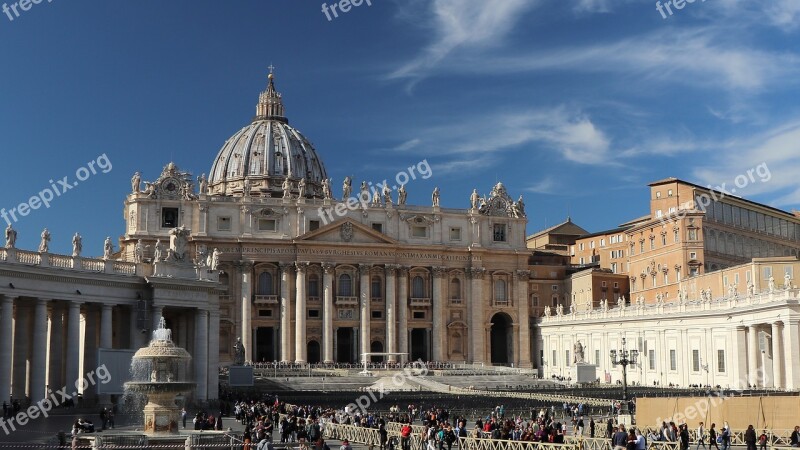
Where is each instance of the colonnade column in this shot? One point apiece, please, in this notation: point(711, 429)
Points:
point(213, 355)
point(521, 280)
point(327, 312)
point(55, 379)
point(247, 309)
point(106, 340)
point(740, 357)
point(6, 337)
point(363, 270)
point(22, 346)
point(300, 314)
point(791, 351)
point(476, 325)
point(201, 354)
point(391, 331)
point(752, 355)
point(38, 388)
point(777, 357)
point(72, 363)
point(286, 314)
point(438, 314)
point(402, 310)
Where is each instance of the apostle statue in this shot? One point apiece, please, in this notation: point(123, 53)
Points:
point(44, 245)
point(108, 248)
point(246, 187)
point(402, 195)
point(547, 311)
point(202, 182)
point(301, 188)
point(158, 252)
point(77, 245)
point(347, 188)
point(215, 259)
point(751, 289)
point(178, 239)
point(136, 182)
point(376, 198)
point(364, 193)
point(519, 207)
point(326, 189)
point(138, 251)
point(435, 197)
point(474, 199)
point(11, 237)
point(238, 353)
point(387, 194)
point(787, 281)
point(771, 284)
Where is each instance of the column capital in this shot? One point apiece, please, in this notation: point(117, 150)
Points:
point(285, 268)
point(8, 298)
point(391, 269)
point(475, 272)
point(363, 269)
point(523, 275)
point(328, 267)
point(439, 271)
point(301, 267)
point(402, 270)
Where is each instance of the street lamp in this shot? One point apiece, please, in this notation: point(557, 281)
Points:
point(624, 358)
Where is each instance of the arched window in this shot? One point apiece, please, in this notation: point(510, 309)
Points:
point(345, 285)
point(500, 290)
point(455, 288)
point(376, 287)
point(265, 283)
point(418, 287)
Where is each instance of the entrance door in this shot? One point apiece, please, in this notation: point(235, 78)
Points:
point(345, 339)
point(265, 344)
point(502, 339)
point(313, 352)
point(419, 344)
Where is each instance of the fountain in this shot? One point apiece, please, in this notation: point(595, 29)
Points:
point(160, 373)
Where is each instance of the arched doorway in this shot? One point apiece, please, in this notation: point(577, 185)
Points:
point(313, 352)
point(502, 336)
point(345, 345)
point(376, 347)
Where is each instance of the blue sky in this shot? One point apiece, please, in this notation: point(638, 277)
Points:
point(571, 103)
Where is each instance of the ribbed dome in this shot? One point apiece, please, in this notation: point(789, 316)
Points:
point(264, 153)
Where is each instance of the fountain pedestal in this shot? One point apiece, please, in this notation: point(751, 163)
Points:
point(160, 414)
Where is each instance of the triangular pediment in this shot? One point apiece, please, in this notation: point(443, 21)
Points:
point(347, 231)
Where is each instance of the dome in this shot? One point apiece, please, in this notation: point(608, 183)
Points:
point(258, 158)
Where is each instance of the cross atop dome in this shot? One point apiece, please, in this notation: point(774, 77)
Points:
point(270, 102)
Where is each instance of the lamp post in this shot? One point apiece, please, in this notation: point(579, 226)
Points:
point(624, 358)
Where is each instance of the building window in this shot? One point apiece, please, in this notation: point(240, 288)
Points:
point(663, 239)
point(582, 261)
point(659, 213)
point(597, 357)
point(169, 217)
point(652, 243)
point(265, 284)
point(602, 242)
point(376, 288)
point(613, 267)
point(223, 224)
point(555, 300)
point(721, 361)
point(566, 358)
point(651, 357)
point(345, 285)
point(313, 314)
point(603, 284)
point(419, 315)
point(692, 235)
point(313, 285)
point(455, 289)
point(692, 255)
point(264, 313)
point(696, 360)
point(419, 232)
point(673, 360)
point(676, 236)
point(591, 244)
point(580, 246)
point(499, 234)
point(377, 314)
point(658, 194)
point(313, 225)
point(767, 272)
point(500, 291)
point(554, 288)
point(418, 287)
point(534, 300)
point(555, 361)
point(267, 225)
point(669, 193)
point(641, 247)
point(455, 234)
point(377, 227)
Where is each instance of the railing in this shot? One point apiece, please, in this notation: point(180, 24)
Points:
point(314, 299)
point(418, 301)
point(377, 299)
point(124, 268)
point(26, 257)
point(61, 261)
point(266, 299)
point(93, 265)
point(346, 301)
point(456, 301)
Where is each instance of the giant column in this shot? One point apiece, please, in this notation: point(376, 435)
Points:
point(777, 356)
point(391, 330)
point(752, 356)
point(22, 346)
point(6, 337)
point(200, 356)
point(213, 355)
point(300, 314)
point(106, 337)
point(72, 362)
point(476, 325)
point(521, 281)
point(791, 350)
point(402, 310)
point(327, 312)
point(363, 270)
point(286, 318)
point(55, 373)
point(439, 329)
point(740, 358)
point(38, 388)
point(247, 309)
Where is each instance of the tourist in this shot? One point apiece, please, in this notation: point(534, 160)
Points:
point(794, 439)
point(405, 436)
point(726, 438)
point(762, 441)
point(579, 427)
point(750, 437)
point(701, 436)
point(712, 437)
point(345, 445)
point(184, 414)
point(591, 427)
point(630, 444)
point(620, 440)
point(684, 436)
point(641, 443)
